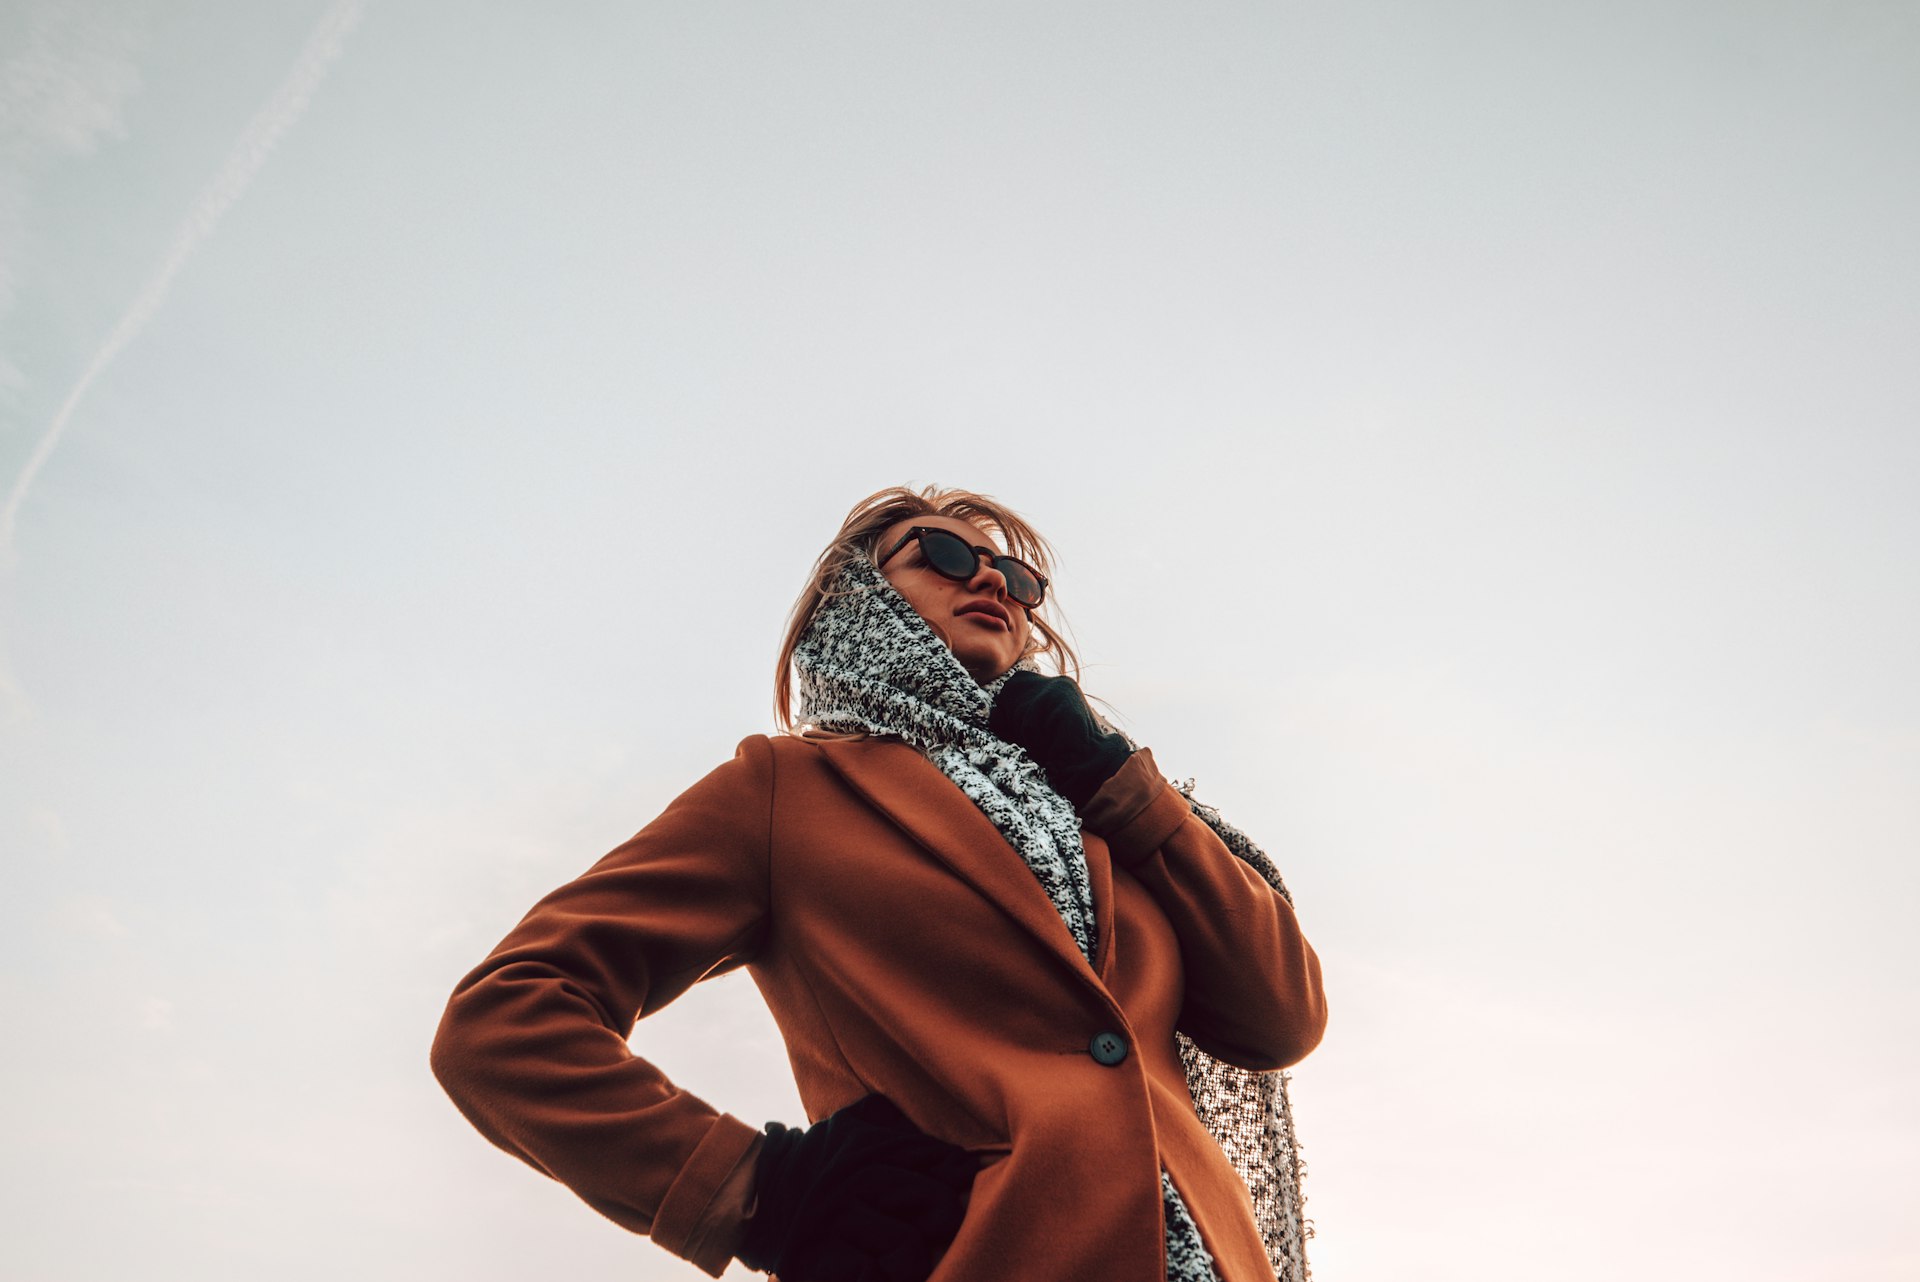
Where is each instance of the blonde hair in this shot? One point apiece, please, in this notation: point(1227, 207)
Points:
point(859, 536)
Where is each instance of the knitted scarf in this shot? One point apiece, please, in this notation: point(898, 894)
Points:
point(869, 662)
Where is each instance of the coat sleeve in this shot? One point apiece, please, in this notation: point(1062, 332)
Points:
point(1253, 994)
point(532, 1048)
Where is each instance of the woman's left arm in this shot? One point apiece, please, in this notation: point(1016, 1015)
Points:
point(1253, 995)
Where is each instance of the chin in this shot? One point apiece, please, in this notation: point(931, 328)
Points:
point(985, 667)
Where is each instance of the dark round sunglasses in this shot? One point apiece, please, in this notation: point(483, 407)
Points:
point(947, 553)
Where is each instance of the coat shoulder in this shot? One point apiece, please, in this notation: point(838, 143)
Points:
point(873, 765)
point(817, 746)
point(792, 756)
point(784, 749)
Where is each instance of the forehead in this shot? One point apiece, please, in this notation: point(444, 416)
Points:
point(967, 530)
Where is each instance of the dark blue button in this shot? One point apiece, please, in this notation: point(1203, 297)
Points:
point(1107, 1048)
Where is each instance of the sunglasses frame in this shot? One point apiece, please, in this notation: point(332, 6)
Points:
point(919, 533)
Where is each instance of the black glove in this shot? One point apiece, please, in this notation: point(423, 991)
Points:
point(863, 1196)
point(1049, 717)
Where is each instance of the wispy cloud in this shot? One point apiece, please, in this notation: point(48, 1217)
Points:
point(255, 145)
point(63, 88)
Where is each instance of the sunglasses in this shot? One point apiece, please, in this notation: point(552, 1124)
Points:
point(947, 553)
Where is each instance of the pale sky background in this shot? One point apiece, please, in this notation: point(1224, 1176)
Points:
point(1482, 441)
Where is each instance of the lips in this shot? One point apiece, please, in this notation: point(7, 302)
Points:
point(989, 609)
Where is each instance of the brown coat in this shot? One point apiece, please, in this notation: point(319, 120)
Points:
point(905, 949)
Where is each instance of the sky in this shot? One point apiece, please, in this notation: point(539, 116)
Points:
point(1480, 440)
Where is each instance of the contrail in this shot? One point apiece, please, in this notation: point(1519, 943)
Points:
point(255, 144)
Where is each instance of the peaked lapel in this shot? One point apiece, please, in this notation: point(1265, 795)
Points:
point(910, 790)
point(1100, 873)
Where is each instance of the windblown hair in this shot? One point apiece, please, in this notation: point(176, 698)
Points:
point(859, 536)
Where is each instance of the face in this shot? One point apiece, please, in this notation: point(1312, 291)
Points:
point(983, 627)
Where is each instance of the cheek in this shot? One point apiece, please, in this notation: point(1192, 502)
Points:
point(912, 587)
point(926, 597)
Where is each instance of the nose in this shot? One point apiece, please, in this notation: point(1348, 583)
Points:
point(985, 576)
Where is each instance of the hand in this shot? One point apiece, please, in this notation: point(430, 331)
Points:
point(862, 1196)
point(1049, 717)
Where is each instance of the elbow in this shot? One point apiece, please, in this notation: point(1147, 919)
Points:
point(453, 1055)
point(1306, 1024)
point(1269, 1038)
point(466, 1051)
point(1305, 1035)
point(1283, 1046)
point(444, 1056)
point(1304, 1021)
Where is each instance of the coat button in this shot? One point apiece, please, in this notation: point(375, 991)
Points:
point(1107, 1048)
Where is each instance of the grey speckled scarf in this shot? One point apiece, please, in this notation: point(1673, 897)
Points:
point(868, 662)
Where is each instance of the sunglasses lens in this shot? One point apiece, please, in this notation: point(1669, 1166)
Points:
point(949, 554)
point(1021, 585)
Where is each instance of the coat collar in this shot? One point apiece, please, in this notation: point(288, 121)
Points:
point(910, 790)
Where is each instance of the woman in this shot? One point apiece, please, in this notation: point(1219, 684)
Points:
point(978, 916)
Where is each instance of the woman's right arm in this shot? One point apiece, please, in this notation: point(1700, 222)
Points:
point(533, 1049)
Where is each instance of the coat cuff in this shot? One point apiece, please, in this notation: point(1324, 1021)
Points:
point(1136, 811)
point(699, 1218)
